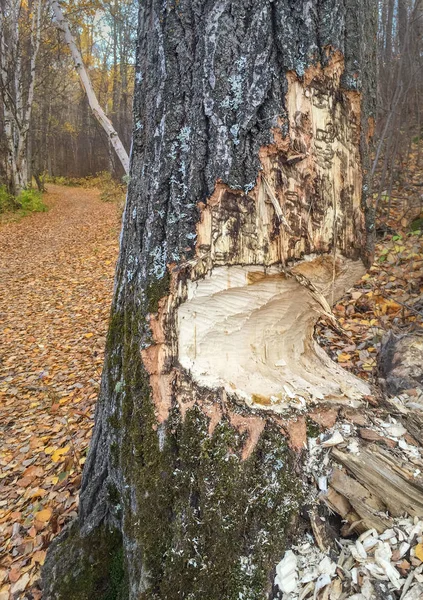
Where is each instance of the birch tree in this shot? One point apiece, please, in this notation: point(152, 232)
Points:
point(20, 31)
point(246, 219)
point(98, 112)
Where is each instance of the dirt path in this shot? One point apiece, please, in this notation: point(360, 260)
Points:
point(56, 279)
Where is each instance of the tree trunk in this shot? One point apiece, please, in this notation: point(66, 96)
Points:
point(245, 220)
point(17, 86)
point(388, 43)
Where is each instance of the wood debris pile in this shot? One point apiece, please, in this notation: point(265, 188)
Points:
point(384, 566)
point(368, 470)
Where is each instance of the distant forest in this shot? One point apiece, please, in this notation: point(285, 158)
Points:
point(64, 139)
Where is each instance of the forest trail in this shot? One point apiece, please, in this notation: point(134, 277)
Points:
point(55, 292)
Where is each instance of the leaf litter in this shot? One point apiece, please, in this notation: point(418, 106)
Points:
point(387, 298)
point(55, 294)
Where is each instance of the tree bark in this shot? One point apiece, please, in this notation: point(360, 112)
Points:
point(245, 220)
point(17, 86)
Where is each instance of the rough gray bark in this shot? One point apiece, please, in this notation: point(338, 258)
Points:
point(228, 172)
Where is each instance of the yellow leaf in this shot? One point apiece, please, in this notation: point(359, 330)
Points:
point(37, 493)
point(366, 276)
point(89, 335)
point(49, 450)
point(39, 557)
point(392, 304)
point(418, 552)
point(34, 404)
point(43, 515)
point(343, 357)
point(57, 455)
point(54, 480)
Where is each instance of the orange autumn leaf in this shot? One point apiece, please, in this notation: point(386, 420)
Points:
point(37, 493)
point(43, 515)
point(39, 557)
point(418, 551)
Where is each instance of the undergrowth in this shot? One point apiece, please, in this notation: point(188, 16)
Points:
point(28, 201)
point(31, 201)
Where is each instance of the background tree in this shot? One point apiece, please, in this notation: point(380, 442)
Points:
point(396, 164)
point(64, 139)
point(20, 31)
point(112, 136)
point(245, 219)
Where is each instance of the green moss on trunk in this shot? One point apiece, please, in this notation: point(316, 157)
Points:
point(208, 524)
point(86, 568)
point(204, 523)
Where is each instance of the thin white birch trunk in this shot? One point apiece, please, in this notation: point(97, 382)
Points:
point(99, 113)
point(17, 101)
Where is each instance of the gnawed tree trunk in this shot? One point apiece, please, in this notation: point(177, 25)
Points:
point(97, 110)
point(245, 219)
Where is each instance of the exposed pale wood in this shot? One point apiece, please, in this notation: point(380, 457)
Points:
point(367, 505)
point(389, 479)
point(341, 506)
point(414, 424)
point(250, 330)
point(323, 534)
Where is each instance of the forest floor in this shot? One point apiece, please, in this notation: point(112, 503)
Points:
point(55, 292)
point(56, 286)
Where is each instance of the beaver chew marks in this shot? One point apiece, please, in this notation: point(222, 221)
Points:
point(250, 330)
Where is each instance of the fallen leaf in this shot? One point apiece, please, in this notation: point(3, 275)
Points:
point(59, 453)
point(39, 557)
point(43, 515)
point(14, 574)
point(343, 357)
point(418, 551)
point(37, 493)
point(21, 584)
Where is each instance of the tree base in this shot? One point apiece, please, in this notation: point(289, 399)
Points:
point(80, 568)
